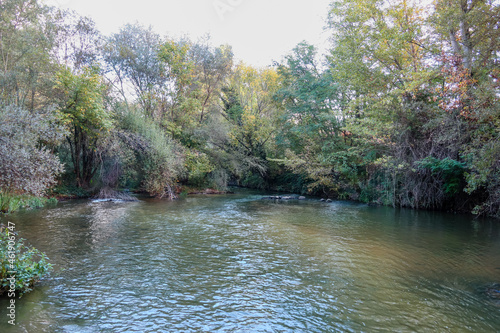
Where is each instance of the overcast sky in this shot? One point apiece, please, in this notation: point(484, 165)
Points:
point(259, 31)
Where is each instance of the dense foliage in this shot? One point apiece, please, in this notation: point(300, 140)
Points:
point(423, 86)
point(403, 110)
point(27, 165)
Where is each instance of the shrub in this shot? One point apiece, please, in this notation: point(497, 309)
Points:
point(9, 203)
point(28, 263)
point(68, 189)
point(24, 140)
point(451, 171)
point(199, 168)
point(161, 158)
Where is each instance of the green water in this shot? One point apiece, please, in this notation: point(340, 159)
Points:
point(238, 263)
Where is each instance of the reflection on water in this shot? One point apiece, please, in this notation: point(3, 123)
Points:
point(241, 264)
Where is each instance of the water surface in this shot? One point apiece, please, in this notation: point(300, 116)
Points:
point(237, 263)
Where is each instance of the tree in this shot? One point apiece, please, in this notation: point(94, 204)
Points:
point(239, 132)
point(132, 55)
point(248, 105)
point(379, 54)
point(469, 34)
point(312, 137)
point(469, 30)
point(160, 158)
point(384, 57)
point(27, 39)
point(78, 42)
point(81, 102)
point(423, 96)
point(311, 99)
point(212, 66)
point(179, 96)
point(253, 116)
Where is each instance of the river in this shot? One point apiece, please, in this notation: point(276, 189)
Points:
point(238, 263)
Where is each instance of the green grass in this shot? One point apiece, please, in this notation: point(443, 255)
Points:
point(10, 203)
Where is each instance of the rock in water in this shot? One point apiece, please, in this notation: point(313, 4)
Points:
point(493, 292)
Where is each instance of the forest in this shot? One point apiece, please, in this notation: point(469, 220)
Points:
point(403, 109)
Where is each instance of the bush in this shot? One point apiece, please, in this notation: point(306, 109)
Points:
point(199, 168)
point(253, 180)
point(451, 172)
point(69, 190)
point(28, 263)
point(9, 203)
point(161, 158)
point(24, 140)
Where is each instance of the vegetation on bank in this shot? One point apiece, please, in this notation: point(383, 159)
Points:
point(21, 266)
point(10, 203)
point(403, 110)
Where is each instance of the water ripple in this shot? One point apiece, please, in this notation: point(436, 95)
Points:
point(241, 264)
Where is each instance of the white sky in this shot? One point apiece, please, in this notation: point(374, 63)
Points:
point(259, 31)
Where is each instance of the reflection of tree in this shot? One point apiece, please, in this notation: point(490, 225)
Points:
point(107, 219)
point(75, 229)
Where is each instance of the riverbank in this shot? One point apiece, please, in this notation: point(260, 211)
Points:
point(10, 203)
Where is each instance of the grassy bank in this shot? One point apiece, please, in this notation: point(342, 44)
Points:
point(10, 203)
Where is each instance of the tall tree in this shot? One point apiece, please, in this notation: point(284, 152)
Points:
point(179, 97)
point(27, 39)
point(78, 41)
point(253, 115)
point(81, 101)
point(212, 66)
point(311, 98)
point(312, 135)
point(469, 32)
point(132, 56)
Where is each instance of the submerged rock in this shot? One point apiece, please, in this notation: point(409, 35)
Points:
point(493, 291)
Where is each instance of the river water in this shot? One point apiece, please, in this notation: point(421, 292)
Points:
point(237, 263)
